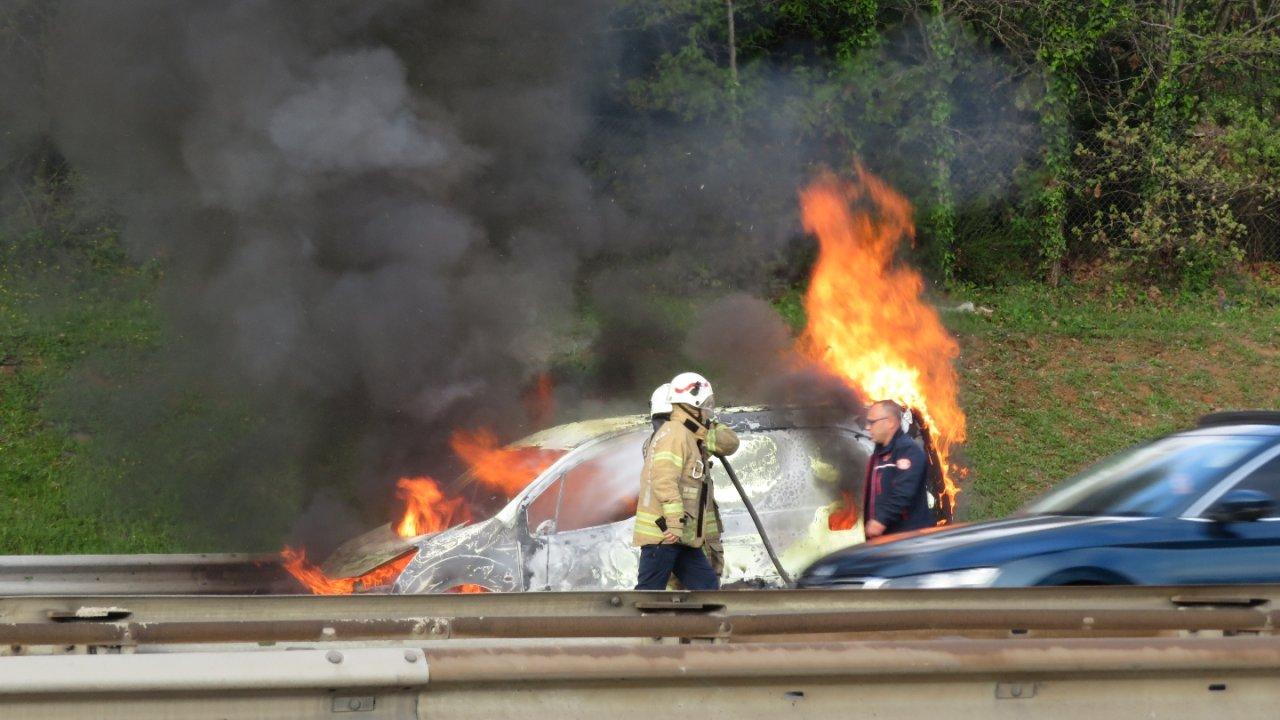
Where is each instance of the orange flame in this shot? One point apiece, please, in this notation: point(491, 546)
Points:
point(468, 589)
point(847, 514)
point(867, 320)
point(314, 579)
point(506, 469)
point(427, 509)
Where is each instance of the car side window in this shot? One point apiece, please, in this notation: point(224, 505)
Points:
point(543, 507)
point(1265, 479)
point(603, 487)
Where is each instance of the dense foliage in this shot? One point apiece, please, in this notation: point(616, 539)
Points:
point(1033, 135)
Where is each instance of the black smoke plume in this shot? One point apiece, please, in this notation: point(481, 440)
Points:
point(377, 225)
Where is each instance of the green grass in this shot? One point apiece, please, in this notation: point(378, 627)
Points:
point(1053, 380)
point(52, 319)
point(106, 445)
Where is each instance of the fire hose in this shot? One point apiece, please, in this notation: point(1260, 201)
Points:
point(755, 518)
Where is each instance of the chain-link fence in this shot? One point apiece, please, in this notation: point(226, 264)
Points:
point(1171, 201)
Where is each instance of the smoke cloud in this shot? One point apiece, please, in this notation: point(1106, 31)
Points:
point(371, 215)
point(377, 226)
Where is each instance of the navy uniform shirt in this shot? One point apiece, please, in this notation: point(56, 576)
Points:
point(896, 492)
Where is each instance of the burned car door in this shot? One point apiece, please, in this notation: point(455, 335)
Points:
point(796, 478)
point(588, 545)
point(538, 525)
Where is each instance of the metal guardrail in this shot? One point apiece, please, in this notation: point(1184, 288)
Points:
point(714, 625)
point(218, 574)
point(1036, 652)
point(159, 620)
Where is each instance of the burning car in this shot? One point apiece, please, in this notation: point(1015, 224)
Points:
point(568, 522)
point(570, 527)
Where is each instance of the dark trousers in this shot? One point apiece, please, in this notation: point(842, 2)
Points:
point(690, 565)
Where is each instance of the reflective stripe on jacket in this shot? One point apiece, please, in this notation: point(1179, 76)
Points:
point(675, 484)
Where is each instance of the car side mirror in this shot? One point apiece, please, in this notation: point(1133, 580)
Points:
point(545, 528)
point(1242, 506)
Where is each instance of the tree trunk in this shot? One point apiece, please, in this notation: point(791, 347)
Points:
point(733, 45)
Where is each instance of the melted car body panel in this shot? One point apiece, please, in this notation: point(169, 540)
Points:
point(485, 554)
point(571, 528)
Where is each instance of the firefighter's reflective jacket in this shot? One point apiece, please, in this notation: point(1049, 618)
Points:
point(675, 485)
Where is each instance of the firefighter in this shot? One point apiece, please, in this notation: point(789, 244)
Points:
point(659, 407)
point(676, 512)
point(659, 413)
point(895, 498)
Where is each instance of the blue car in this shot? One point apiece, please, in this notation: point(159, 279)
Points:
point(1195, 507)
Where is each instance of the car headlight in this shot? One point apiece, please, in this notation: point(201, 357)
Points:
point(968, 578)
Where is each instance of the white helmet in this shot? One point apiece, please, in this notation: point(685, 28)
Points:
point(658, 402)
point(691, 389)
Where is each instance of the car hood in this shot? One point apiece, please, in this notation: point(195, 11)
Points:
point(483, 553)
point(976, 545)
point(369, 551)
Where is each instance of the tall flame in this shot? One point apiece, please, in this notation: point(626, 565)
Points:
point(427, 509)
point(867, 321)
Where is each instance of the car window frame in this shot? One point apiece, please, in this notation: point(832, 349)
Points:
point(1275, 517)
point(1244, 467)
point(556, 471)
point(539, 485)
point(1199, 509)
point(562, 479)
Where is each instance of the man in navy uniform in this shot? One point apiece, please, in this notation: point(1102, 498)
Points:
point(896, 497)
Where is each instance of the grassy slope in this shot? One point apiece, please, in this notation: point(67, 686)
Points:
point(1053, 380)
point(50, 494)
point(1050, 381)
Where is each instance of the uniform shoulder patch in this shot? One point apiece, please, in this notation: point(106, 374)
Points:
point(904, 464)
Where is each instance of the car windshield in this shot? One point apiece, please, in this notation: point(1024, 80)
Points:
point(1160, 478)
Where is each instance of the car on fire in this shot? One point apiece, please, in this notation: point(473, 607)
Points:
point(570, 528)
point(1194, 507)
